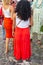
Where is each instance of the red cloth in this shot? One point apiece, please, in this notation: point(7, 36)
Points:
point(1, 16)
point(0, 11)
point(8, 27)
point(22, 45)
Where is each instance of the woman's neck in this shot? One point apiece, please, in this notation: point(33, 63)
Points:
point(5, 6)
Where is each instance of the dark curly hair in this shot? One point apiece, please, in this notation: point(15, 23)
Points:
point(23, 9)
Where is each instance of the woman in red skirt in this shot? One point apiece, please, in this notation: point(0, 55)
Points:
point(22, 44)
point(7, 12)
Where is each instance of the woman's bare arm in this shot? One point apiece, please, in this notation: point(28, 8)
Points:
point(14, 23)
point(31, 20)
point(11, 11)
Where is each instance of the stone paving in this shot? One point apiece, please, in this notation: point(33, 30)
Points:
point(37, 52)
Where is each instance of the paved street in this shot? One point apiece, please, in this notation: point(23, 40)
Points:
point(37, 52)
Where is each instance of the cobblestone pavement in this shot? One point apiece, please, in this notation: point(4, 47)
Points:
point(37, 52)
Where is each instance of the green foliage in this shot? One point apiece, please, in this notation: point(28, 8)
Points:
point(41, 28)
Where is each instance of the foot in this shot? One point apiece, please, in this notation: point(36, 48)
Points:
point(26, 63)
point(12, 59)
point(6, 52)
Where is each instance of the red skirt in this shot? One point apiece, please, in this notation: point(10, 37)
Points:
point(8, 27)
point(22, 45)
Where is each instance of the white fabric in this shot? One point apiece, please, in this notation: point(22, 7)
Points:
point(33, 5)
point(22, 24)
point(39, 2)
point(30, 0)
point(34, 2)
point(6, 13)
point(18, 0)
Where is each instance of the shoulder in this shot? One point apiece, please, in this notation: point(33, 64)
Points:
point(11, 7)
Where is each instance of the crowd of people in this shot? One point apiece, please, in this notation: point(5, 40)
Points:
point(19, 18)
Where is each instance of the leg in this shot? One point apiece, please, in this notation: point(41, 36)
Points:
point(25, 62)
point(7, 42)
point(3, 30)
point(3, 33)
point(12, 40)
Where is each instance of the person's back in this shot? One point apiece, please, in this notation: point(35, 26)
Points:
point(22, 48)
point(25, 15)
point(22, 24)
